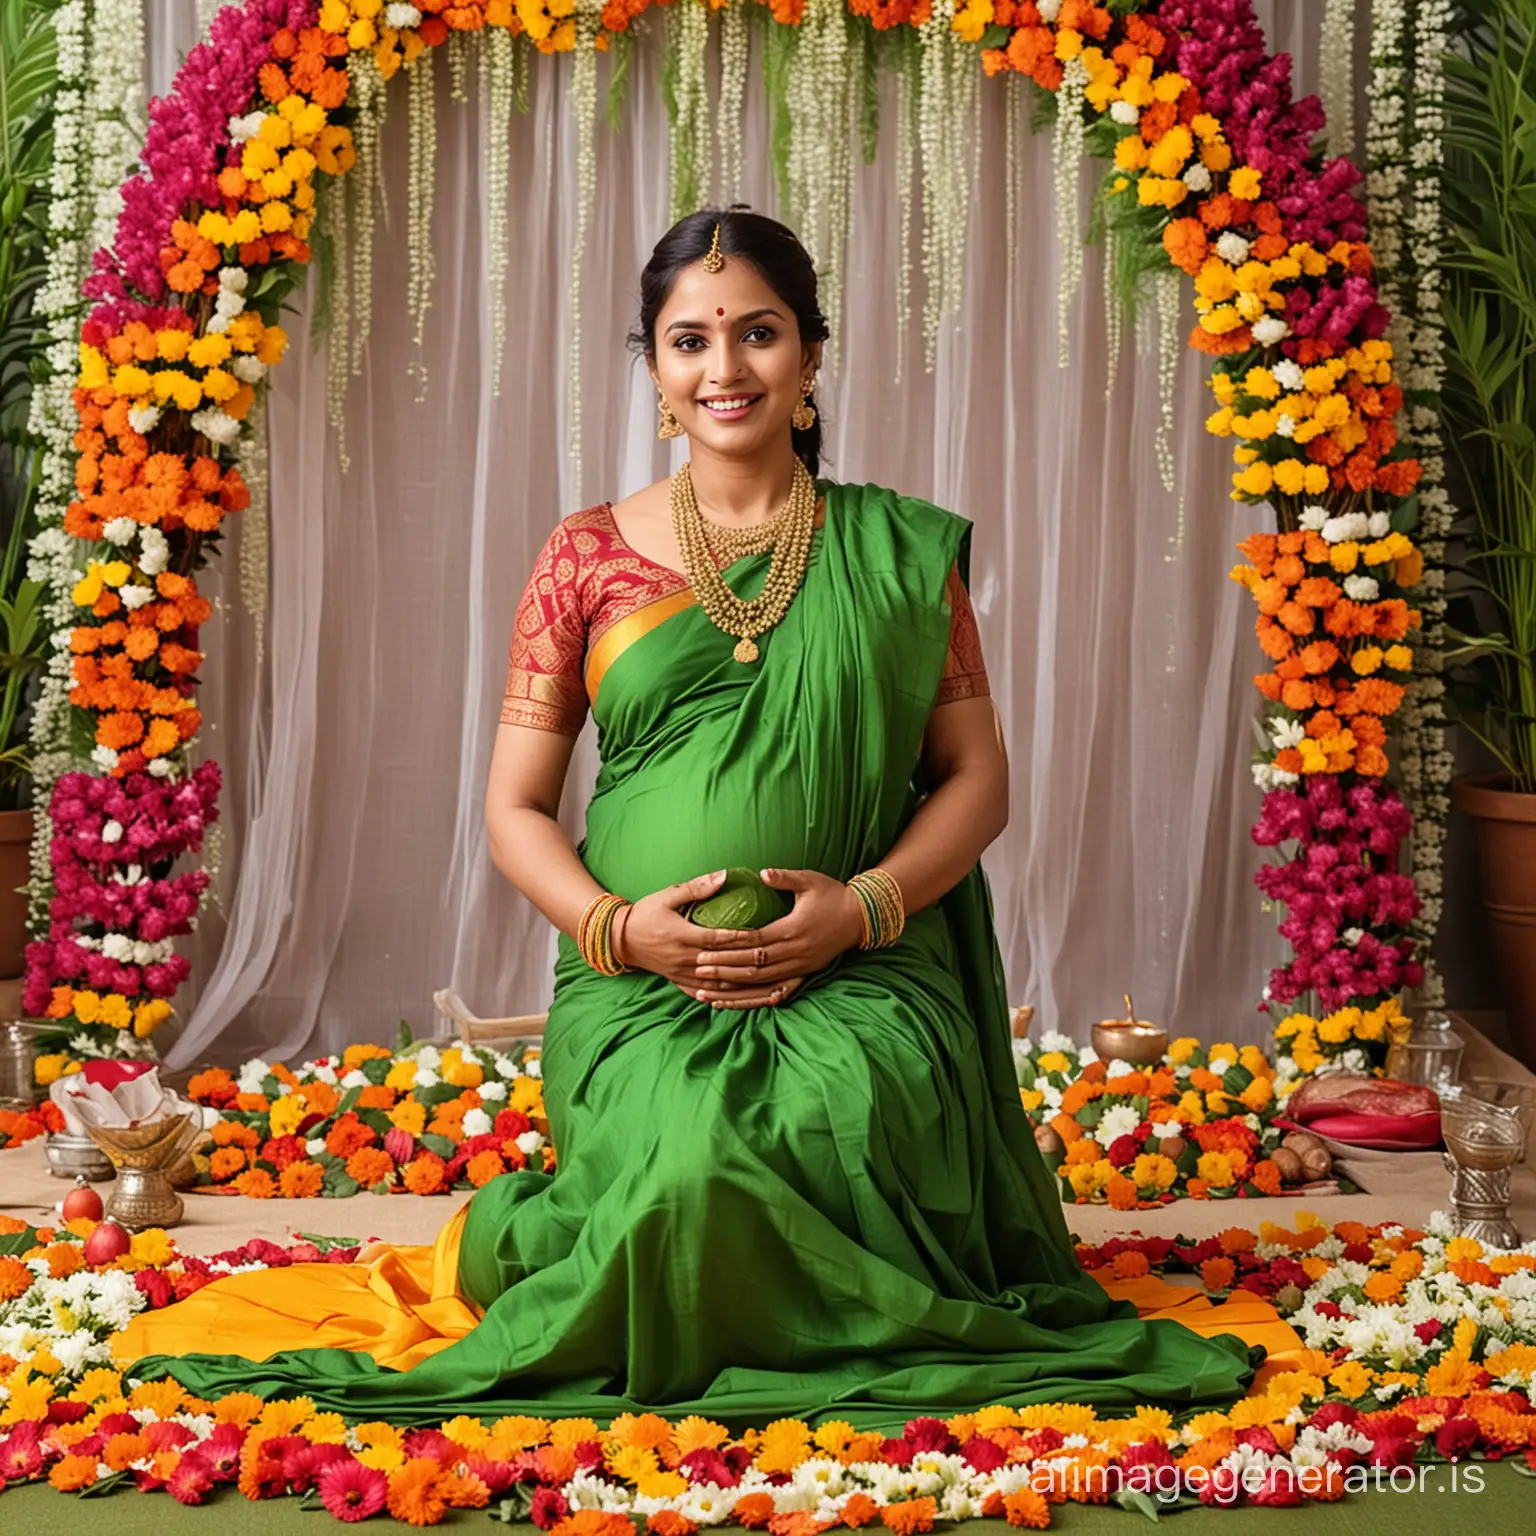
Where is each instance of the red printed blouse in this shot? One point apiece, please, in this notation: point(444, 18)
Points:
point(587, 579)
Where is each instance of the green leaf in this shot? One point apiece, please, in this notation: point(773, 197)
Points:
point(404, 1038)
point(12, 1243)
point(439, 1144)
point(1137, 1499)
point(325, 1243)
point(349, 1100)
point(438, 1093)
point(107, 1485)
point(1406, 518)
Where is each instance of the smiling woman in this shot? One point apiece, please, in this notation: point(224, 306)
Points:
point(796, 1179)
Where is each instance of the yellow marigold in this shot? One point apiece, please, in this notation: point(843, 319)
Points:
point(409, 1116)
point(1053, 1061)
point(242, 1408)
point(355, 1055)
point(286, 1114)
point(1351, 1378)
point(1462, 1248)
point(1216, 1169)
point(1245, 182)
point(784, 1445)
point(1154, 1170)
point(150, 1249)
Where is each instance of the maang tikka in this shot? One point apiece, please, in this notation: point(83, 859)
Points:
point(713, 260)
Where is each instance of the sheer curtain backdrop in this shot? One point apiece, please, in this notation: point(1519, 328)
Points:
point(355, 877)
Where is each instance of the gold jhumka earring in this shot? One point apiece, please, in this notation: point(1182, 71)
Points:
point(670, 426)
point(805, 412)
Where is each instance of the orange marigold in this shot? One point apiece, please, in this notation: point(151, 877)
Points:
point(72, 1473)
point(910, 1515)
point(752, 1510)
point(1028, 1508)
point(256, 1184)
point(667, 1522)
point(426, 1174)
point(859, 1510)
point(483, 1167)
point(302, 1180)
point(416, 1492)
point(15, 1279)
point(370, 1164)
point(226, 1163)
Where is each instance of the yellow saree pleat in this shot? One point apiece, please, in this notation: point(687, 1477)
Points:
point(402, 1306)
point(1250, 1317)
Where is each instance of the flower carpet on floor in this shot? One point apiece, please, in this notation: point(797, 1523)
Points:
point(1412, 1346)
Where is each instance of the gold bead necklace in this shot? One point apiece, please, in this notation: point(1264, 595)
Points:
point(791, 545)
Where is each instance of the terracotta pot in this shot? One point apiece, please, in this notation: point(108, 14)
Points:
point(15, 870)
point(1506, 840)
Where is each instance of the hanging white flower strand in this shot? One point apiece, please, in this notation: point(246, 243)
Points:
point(496, 94)
point(1426, 765)
point(1336, 75)
point(584, 111)
point(1066, 157)
point(819, 93)
point(52, 419)
point(1114, 310)
point(337, 209)
point(735, 37)
point(906, 146)
point(422, 99)
point(370, 95)
point(252, 456)
point(119, 108)
point(687, 43)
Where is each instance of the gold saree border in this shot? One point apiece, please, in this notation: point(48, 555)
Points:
point(618, 638)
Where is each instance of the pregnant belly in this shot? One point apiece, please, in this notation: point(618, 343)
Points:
point(654, 830)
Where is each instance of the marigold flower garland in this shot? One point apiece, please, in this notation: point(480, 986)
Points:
point(1419, 1347)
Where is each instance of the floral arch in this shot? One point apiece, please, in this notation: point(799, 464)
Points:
point(1211, 174)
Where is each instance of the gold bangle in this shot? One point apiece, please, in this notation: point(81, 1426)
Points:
point(884, 913)
point(594, 934)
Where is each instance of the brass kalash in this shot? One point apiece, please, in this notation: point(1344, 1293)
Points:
point(1130, 1039)
point(1483, 1142)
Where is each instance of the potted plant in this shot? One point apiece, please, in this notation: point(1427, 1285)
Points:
point(1489, 407)
point(28, 76)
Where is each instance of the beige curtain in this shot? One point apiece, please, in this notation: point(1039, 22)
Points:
point(355, 878)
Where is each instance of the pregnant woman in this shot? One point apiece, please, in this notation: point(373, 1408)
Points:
point(795, 1176)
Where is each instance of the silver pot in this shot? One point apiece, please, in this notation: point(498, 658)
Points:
point(68, 1155)
point(18, 1089)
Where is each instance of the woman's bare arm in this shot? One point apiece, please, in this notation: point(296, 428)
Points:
point(522, 807)
point(964, 753)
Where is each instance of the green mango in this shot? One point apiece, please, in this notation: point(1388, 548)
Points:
point(742, 901)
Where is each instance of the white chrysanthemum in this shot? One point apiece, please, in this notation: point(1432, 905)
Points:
point(1054, 1040)
point(1232, 248)
point(493, 1091)
point(529, 1142)
point(1086, 1056)
point(1379, 524)
point(1284, 733)
point(1118, 1120)
point(401, 16)
point(1288, 374)
point(477, 1123)
point(820, 1477)
point(1220, 1064)
point(428, 1056)
point(1196, 177)
point(248, 369)
point(1124, 113)
point(134, 596)
point(354, 1079)
point(1362, 589)
point(1162, 1130)
point(1269, 331)
point(246, 127)
point(215, 425)
point(252, 1074)
point(707, 1504)
point(533, 1067)
point(427, 1078)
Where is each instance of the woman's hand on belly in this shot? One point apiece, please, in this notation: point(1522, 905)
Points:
point(653, 935)
point(827, 919)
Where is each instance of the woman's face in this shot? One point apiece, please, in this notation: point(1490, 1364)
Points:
point(729, 358)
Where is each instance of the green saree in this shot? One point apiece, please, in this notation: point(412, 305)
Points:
point(829, 1209)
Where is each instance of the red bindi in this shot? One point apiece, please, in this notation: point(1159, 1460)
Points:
point(719, 311)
